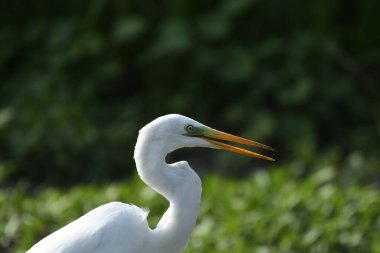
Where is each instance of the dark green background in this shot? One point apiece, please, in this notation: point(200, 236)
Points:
point(79, 78)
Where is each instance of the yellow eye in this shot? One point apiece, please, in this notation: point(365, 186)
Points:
point(189, 128)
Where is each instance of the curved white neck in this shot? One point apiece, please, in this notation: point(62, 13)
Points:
point(180, 185)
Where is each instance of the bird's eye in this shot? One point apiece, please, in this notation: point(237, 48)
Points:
point(189, 128)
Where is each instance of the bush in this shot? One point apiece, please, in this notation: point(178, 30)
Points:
point(270, 211)
point(80, 78)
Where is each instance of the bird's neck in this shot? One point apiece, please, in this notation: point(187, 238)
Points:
point(180, 185)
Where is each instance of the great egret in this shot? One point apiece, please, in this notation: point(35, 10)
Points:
point(121, 228)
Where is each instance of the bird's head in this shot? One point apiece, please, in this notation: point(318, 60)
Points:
point(178, 131)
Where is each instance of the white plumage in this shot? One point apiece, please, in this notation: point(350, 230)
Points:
point(91, 232)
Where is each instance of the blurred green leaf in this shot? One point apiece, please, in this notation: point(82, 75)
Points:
point(129, 29)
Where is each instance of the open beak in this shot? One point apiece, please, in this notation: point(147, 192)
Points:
point(213, 136)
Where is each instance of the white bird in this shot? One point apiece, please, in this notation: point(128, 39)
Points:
point(122, 228)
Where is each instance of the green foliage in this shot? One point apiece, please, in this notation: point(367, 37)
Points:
point(270, 211)
point(79, 78)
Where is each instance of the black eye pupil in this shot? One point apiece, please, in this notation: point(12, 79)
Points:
point(189, 128)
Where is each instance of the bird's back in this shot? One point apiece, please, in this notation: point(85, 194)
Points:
point(111, 228)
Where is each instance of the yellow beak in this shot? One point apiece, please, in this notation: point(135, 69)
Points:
point(213, 136)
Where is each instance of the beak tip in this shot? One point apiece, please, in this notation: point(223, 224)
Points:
point(274, 155)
